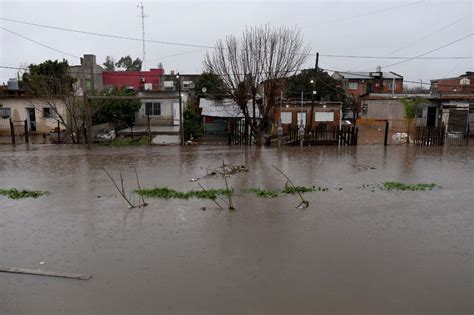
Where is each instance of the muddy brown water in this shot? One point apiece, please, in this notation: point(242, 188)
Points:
point(351, 251)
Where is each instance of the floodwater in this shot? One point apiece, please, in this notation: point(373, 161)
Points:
point(352, 251)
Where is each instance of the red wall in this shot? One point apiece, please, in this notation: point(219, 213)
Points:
point(121, 79)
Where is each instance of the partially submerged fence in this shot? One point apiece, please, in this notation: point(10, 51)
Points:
point(341, 135)
point(426, 136)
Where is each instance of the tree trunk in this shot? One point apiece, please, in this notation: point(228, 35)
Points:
point(259, 138)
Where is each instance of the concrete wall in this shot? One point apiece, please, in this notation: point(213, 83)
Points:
point(391, 109)
point(18, 107)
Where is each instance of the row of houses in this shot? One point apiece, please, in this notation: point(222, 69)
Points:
point(451, 101)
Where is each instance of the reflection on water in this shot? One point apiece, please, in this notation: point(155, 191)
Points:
point(352, 250)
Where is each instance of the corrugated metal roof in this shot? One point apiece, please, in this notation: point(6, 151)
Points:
point(226, 108)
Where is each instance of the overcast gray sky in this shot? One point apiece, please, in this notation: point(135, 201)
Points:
point(369, 28)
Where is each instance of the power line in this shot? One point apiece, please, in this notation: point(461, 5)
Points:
point(396, 57)
point(38, 43)
point(213, 47)
point(364, 14)
point(430, 51)
point(422, 38)
point(106, 35)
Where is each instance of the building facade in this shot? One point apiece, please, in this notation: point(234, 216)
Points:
point(359, 83)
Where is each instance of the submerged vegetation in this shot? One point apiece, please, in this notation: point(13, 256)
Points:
point(14, 193)
point(262, 193)
point(412, 187)
point(168, 193)
point(389, 185)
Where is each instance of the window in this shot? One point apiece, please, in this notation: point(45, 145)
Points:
point(465, 81)
point(353, 85)
point(286, 117)
point(153, 109)
point(324, 116)
point(48, 112)
point(301, 118)
point(5, 112)
point(88, 84)
point(168, 84)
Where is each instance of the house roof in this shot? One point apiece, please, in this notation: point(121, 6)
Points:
point(366, 75)
point(226, 108)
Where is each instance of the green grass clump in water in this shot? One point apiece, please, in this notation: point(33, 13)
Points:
point(262, 193)
point(168, 193)
point(18, 194)
point(300, 189)
point(403, 186)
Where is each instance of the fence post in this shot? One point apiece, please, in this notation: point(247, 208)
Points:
point(59, 132)
point(26, 131)
point(12, 131)
point(386, 134)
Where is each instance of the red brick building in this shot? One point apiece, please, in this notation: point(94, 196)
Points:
point(359, 83)
point(464, 84)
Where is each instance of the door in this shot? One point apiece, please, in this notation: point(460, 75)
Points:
point(31, 117)
point(431, 117)
point(176, 114)
point(299, 117)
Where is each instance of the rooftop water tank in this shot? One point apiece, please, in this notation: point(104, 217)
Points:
point(12, 84)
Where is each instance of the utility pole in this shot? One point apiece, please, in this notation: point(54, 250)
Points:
point(313, 82)
point(142, 15)
point(181, 131)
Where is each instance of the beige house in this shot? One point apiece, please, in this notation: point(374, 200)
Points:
point(40, 117)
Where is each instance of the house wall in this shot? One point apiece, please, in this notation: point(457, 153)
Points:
point(135, 79)
point(166, 117)
point(307, 109)
point(390, 109)
point(18, 108)
point(89, 72)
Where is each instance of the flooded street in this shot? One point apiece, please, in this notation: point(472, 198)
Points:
point(352, 251)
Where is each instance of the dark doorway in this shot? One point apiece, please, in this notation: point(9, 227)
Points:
point(369, 87)
point(31, 119)
point(431, 118)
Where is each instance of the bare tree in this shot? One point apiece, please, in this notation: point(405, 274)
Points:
point(51, 86)
point(262, 55)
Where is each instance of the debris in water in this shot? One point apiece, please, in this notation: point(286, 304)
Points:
point(45, 273)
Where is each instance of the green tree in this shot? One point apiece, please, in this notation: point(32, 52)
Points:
point(214, 86)
point(192, 123)
point(120, 113)
point(127, 64)
point(412, 108)
point(323, 84)
point(109, 64)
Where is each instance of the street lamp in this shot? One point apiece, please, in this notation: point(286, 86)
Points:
point(312, 103)
point(181, 131)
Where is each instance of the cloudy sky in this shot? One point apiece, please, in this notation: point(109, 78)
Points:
point(348, 28)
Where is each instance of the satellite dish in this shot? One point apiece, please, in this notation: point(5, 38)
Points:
point(204, 90)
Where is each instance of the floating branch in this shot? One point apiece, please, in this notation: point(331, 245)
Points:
point(304, 203)
point(215, 201)
point(45, 273)
point(144, 204)
point(121, 192)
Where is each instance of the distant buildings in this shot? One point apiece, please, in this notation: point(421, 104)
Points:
point(359, 83)
point(463, 84)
